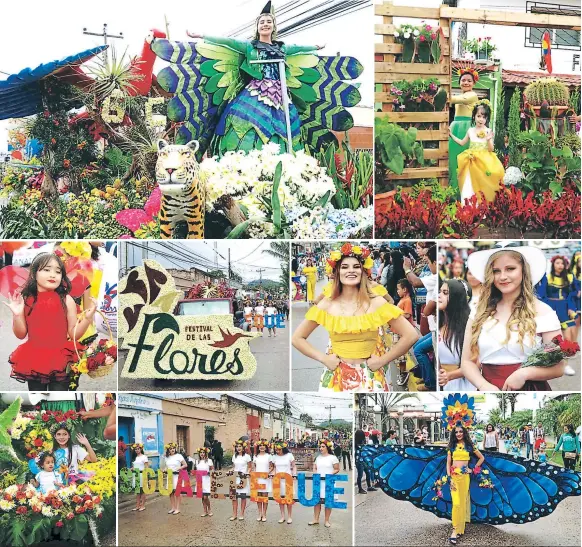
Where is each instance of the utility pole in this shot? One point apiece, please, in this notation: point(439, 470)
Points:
point(330, 407)
point(285, 410)
point(105, 36)
point(229, 270)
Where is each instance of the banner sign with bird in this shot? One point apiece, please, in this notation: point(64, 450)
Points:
point(166, 346)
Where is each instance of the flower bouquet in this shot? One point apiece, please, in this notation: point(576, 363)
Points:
point(37, 440)
point(552, 353)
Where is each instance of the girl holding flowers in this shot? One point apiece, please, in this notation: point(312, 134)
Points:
point(45, 312)
point(140, 462)
point(352, 316)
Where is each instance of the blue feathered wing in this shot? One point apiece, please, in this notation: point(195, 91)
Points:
point(523, 490)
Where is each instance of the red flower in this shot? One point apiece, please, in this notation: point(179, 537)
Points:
point(20, 495)
point(77, 499)
point(38, 442)
point(59, 524)
point(7, 497)
point(422, 38)
point(346, 248)
point(112, 352)
point(32, 454)
point(45, 417)
point(70, 516)
point(433, 36)
point(21, 510)
point(46, 114)
point(36, 509)
point(53, 141)
point(365, 252)
point(100, 359)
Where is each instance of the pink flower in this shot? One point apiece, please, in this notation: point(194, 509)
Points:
point(60, 524)
point(422, 38)
point(134, 218)
point(428, 27)
point(433, 36)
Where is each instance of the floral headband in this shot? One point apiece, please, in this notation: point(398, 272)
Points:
point(327, 444)
point(244, 444)
point(262, 442)
point(468, 70)
point(80, 249)
point(562, 258)
point(482, 102)
point(354, 251)
point(137, 445)
point(171, 445)
point(204, 449)
point(280, 445)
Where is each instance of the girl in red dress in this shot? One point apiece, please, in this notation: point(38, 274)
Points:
point(45, 312)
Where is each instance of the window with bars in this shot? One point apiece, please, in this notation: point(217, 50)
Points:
point(561, 38)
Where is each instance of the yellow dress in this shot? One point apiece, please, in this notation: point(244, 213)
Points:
point(311, 273)
point(460, 497)
point(479, 171)
point(354, 337)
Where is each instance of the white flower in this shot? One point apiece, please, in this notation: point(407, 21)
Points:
point(46, 511)
point(396, 34)
point(407, 35)
point(512, 176)
point(12, 489)
point(6, 505)
point(416, 32)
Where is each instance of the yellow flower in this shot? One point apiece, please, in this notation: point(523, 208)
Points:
point(82, 366)
point(357, 250)
point(77, 248)
point(368, 263)
point(335, 255)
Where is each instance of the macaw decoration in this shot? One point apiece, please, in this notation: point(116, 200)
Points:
point(228, 101)
point(509, 489)
point(547, 51)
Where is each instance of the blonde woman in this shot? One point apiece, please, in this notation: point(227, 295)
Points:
point(508, 322)
point(352, 317)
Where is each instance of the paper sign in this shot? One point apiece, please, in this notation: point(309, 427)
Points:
point(184, 347)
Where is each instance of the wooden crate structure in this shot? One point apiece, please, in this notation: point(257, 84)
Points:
point(387, 70)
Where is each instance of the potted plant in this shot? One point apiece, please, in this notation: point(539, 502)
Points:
point(481, 48)
point(548, 94)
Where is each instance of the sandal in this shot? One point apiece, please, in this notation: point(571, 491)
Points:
point(171, 512)
point(453, 540)
point(209, 514)
point(264, 519)
point(327, 524)
point(141, 509)
point(289, 521)
point(176, 512)
point(241, 518)
point(313, 522)
point(135, 509)
point(232, 518)
point(281, 521)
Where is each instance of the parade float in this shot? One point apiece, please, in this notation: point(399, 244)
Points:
point(83, 510)
point(260, 119)
point(535, 135)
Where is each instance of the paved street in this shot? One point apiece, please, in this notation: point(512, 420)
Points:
point(403, 524)
point(9, 342)
point(272, 374)
point(155, 527)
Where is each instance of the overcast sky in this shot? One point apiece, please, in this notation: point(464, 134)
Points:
point(39, 32)
point(246, 256)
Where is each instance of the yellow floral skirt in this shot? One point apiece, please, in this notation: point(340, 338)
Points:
point(479, 171)
point(461, 501)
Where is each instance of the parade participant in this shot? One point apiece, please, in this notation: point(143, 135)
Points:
point(69, 455)
point(459, 453)
point(48, 479)
point(476, 286)
point(464, 102)
point(509, 321)
point(454, 310)
point(260, 316)
point(570, 445)
point(352, 317)
point(271, 313)
point(205, 464)
point(479, 168)
point(457, 269)
point(375, 288)
point(283, 462)
point(310, 272)
point(491, 440)
point(45, 312)
point(248, 313)
point(262, 464)
point(140, 462)
point(175, 462)
point(326, 463)
point(242, 464)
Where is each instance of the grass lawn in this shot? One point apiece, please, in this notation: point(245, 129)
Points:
point(556, 458)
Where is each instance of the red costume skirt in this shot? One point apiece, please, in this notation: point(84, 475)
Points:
point(497, 374)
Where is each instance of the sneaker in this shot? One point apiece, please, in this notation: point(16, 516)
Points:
point(362, 491)
point(402, 379)
point(569, 371)
point(416, 372)
point(372, 489)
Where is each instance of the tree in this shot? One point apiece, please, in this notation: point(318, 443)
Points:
point(503, 400)
point(496, 417)
point(304, 417)
point(387, 402)
point(216, 274)
point(280, 250)
point(555, 414)
point(512, 399)
point(514, 128)
point(500, 123)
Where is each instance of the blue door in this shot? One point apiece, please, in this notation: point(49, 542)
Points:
point(126, 428)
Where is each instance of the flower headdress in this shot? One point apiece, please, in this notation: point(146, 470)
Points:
point(80, 249)
point(204, 449)
point(328, 444)
point(136, 445)
point(262, 442)
point(482, 102)
point(244, 444)
point(564, 260)
point(171, 445)
point(354, 251)
point(280, 444)
point(458, 410)
point(461, 68)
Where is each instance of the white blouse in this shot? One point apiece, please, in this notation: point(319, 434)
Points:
point(493, 351)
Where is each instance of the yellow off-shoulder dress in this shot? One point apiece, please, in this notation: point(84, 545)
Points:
point(310, 272)
point(354, 337)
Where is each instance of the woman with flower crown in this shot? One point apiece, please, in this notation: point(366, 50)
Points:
point(479, 169)
point(242, 463)
point(352, 316)
point(464, 102)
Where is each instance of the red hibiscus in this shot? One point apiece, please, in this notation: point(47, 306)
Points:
point(346, 248)
point(21, 510)
point(45, 417)
point(38, 442)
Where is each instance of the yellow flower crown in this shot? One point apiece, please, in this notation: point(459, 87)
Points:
point(77, 248)
point(355, 251)
point(280, 445)
point(241, 442)
point(135, 445)
point(481, 103)
point(204, 449)
point(328, 444)
point(171, 445)
point(262, 442)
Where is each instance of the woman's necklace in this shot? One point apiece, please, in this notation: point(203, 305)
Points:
point(343, 311)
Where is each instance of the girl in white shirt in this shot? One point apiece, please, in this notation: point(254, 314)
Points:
point(283, 462)
point(509, 321)
point(325, 464)
point(69, 455)
point(205, 464)
point(176, 462)
point(242, 464)
point(140, 462)
point(49, 478)
point(272, 312)
point(262, 464)
point(260, 316)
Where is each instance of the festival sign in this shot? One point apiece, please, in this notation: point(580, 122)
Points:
point(184, 347)
point(152, 482)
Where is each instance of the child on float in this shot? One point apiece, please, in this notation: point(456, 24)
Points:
point(205, 464)
point(176, 462)
point(69, 455)
point(283, 462)
point(479, 168)
point(49, 479)
point(140, 462)
point(44, 311)
point(262, 464)
point(326, 463)
point(242, 463)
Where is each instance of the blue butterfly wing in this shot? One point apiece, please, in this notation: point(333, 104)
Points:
point(523, 490)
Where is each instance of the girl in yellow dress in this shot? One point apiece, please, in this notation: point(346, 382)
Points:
point(352, 317)
point(479, 169)
point(310, 271)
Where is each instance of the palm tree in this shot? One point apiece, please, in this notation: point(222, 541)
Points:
point(387, 402)
point(512, 398)
point(503, 399)
point(280, 250)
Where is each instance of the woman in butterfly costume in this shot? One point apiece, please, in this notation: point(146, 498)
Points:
point(505, 489)
point(226, 99)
